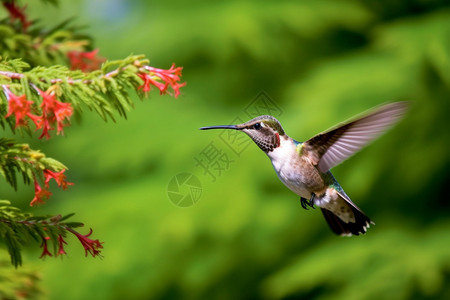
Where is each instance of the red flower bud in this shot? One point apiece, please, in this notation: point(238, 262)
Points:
point(91, 246)
point(45, 251)
point(59, 177)
point(40, 194)
point(61, 243)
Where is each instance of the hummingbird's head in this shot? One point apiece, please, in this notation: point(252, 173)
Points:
point(265, 131)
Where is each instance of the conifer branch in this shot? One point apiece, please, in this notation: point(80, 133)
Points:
point(18, 229)
point(105, 91)
point(45, 77)
point(20, 158)
point(41, 46)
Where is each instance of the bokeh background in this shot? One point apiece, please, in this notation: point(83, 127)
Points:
point(312, 64)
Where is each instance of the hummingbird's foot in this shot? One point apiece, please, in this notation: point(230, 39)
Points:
point(311, 201)
point(305, 203)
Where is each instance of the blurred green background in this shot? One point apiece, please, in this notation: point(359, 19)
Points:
point(319, 63)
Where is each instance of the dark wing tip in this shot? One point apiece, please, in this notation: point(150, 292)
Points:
point(347, 229)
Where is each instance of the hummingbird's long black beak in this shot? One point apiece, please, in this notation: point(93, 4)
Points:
point(220, 127)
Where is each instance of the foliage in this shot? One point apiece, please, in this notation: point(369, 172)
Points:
point(18, 229)
point(321, 62)
point(247, 237)
point(38, 88)
point(23, 283)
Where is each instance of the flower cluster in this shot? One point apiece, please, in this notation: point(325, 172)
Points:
point(20, 107)
point(90, 246)
point(161, 79)
point(42, 194)
point(36, 63)
point(53, 111)
point(85, 61)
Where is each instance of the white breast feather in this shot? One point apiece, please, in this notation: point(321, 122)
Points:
point(282, 161)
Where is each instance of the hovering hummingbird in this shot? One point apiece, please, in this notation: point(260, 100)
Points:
point(304, 166)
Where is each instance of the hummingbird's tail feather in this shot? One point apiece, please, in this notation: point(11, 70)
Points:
point(362, 222)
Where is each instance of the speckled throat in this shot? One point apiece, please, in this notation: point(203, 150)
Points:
point(266, 139)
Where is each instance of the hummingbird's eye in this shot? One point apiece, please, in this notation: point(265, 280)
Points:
point(257, 126)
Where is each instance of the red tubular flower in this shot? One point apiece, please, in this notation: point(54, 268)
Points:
point(16, 12)
point(85, 61)
point(62, 111)
point(91, 246)
point(170, 77)
point(61, 243)
point(176, 88)
point(148, 80)
point(59, 177)
point(20, 107)
point(45, 251)
point(53, 111)
point(40, 194)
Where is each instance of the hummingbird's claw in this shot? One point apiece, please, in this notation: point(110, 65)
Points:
point(311, 201)
point(305, 203)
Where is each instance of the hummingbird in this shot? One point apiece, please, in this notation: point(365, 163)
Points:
point(304, 167)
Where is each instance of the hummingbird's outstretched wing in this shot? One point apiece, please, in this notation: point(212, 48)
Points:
point(330, 148)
